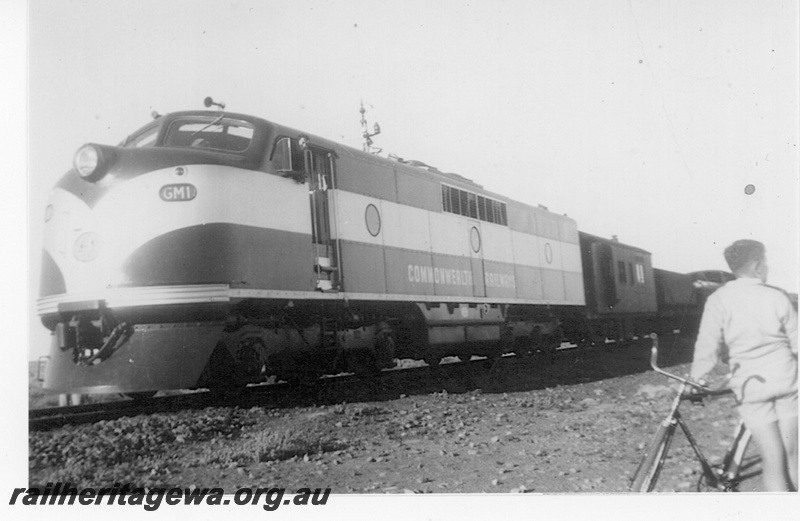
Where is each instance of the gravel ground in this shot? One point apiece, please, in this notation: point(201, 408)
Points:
point(577, 425)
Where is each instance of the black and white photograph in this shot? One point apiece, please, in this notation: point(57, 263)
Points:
point(427, 258)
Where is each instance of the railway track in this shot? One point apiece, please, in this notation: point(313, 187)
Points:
point(456, 377)
point(52, 417)
point(276, 395)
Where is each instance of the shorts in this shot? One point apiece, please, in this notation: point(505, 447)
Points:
point(769, 411)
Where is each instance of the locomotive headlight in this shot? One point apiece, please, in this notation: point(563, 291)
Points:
point(91, 161)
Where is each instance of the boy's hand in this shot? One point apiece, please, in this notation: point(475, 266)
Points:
point(696, 395)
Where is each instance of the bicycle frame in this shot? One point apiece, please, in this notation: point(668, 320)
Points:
point(724, 477)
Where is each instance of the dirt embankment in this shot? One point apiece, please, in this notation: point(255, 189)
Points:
point(579, 424)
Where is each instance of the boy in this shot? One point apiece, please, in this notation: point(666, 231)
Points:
point(758, 325)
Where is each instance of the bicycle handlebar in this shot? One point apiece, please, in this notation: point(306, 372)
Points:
point(704, 390)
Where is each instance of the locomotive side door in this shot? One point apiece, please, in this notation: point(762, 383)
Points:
point(606, 282)
point(319, 164)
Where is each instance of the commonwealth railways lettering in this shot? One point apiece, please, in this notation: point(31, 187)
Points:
point(430, 275)
point(499, 280)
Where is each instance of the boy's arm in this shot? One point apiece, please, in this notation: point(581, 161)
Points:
point(709, 340)
point(790, 326)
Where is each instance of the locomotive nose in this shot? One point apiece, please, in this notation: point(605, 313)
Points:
point(87, 247)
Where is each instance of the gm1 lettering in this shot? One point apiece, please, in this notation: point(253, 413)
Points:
point(178, 192)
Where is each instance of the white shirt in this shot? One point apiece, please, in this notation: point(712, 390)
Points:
point(758, 325)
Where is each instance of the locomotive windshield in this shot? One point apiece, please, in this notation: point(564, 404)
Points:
point(216, 133)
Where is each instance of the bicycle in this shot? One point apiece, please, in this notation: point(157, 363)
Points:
point(724, 476)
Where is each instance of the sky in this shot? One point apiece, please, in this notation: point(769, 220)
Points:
point(643, 119)
point(640, 119)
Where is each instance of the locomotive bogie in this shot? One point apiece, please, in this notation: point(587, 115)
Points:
point(462, 325)
point(332, 341)
point(530, 329)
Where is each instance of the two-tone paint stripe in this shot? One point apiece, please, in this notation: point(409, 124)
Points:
point(496, 261)
point(409, 228)
point(133, 214)
point(90, 245)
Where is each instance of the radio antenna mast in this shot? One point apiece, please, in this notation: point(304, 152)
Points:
point(365, 133)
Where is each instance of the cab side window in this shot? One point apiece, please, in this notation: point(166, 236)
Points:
point(287, 155)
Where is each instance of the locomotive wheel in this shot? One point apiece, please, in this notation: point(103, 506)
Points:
point(495, 353)
point(432, 359)
point(363, 362)
point(227, 392)
point(384, 350)
point(524, 352)
point(301, 379)
point(297, 370)
point(222, 374)
point(536, 341)
point(528, 346)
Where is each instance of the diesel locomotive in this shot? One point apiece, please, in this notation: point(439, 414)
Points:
point(215, 249)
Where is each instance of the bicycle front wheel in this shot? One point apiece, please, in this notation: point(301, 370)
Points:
point(646, 475)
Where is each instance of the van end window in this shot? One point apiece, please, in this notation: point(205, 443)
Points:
point(640, 270)
point(621, 271)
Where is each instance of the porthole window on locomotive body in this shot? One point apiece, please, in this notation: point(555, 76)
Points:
point(475, 239)
point(372, 217)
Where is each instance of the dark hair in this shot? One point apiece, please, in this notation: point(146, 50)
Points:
point(742, 253)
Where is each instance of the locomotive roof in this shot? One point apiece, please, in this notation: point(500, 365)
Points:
point(591, 237)
point(413, 167)
point(416, 167)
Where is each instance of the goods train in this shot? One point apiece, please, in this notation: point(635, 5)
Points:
point(212, 249)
